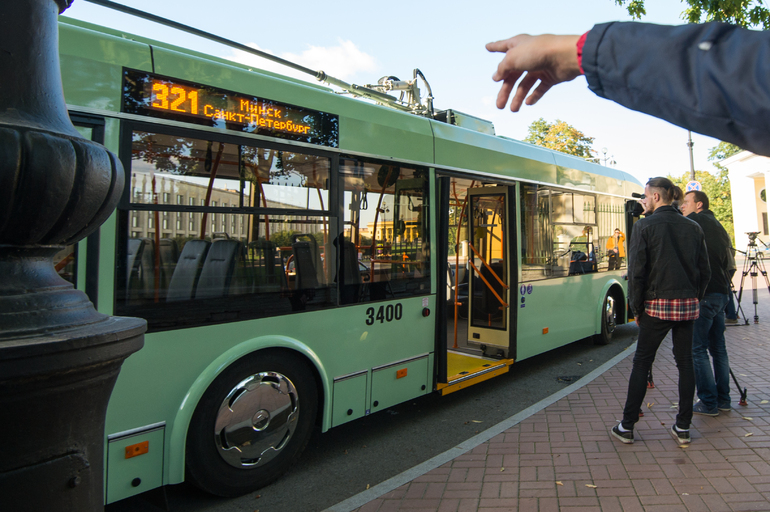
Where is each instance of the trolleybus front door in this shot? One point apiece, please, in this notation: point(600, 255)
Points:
point(489, 267)
point(475, 330)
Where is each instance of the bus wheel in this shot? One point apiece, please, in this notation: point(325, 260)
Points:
point(251, 424)
point(609, 321)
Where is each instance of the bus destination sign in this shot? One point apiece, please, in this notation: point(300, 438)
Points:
point(169, 98)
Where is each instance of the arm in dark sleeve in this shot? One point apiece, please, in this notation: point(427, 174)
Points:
point(704, 268)
point(712, 78)
point(637, 275)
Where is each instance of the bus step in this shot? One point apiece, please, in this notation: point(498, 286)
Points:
point(465, 370)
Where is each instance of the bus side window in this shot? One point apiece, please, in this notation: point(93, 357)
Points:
point(221, 231)
point(386, 252)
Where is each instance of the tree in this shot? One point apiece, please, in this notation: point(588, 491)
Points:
point(561, 136)
point(745, 13)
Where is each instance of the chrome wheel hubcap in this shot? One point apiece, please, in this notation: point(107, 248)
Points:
point(256, 420)
point(609, 315)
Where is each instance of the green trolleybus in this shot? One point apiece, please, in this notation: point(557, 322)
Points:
point(305, 258)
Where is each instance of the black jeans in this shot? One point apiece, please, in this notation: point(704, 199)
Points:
point(652, 330)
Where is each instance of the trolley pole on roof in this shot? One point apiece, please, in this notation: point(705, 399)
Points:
point(59, 358)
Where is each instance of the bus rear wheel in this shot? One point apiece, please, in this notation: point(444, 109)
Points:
point(609, 321)
point(251, 424)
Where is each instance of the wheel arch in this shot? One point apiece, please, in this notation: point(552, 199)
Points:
point(181, 423)
point(615, 289)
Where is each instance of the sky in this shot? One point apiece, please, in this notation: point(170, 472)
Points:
point(361, 42)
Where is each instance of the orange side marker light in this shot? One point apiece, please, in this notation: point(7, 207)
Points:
point(137, 449)
point(401, 373)
point(545, 330)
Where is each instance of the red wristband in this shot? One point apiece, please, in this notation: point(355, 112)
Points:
point(580, 44)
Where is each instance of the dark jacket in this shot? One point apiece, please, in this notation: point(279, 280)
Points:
point(712, 78)
point(718, 244)
point(667, 259)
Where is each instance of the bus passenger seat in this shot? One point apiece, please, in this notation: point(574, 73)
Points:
point(134, 260)
point(141, 268)
point(351, 274)
point(307, 277)
point(217, 273)
point(187, 271)
point(169, 255)
point(268, 275)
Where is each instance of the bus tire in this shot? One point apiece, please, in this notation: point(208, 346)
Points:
point(251, 424)
point(609, 321)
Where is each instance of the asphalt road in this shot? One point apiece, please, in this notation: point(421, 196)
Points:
point(344, 461)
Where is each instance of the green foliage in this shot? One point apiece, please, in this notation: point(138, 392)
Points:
point(560, 136)
point(745, 13)
point(721, 151)
point(635, 8)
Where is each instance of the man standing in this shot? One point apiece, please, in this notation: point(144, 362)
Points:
point(709, 331)
point(668, 271)
point(616, 249)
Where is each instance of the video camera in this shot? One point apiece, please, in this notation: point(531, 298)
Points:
point(752, 235)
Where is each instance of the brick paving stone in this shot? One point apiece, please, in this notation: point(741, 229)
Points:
point(468, 505)
point(448, 505)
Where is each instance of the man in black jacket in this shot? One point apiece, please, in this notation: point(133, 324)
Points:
point(668, 271)
point(709, 336)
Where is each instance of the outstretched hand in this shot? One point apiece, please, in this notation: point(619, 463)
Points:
point(548, 58)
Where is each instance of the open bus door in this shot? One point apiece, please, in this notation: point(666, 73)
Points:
point(481, 345)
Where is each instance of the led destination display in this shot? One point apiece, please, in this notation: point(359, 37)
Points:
point(169, 98)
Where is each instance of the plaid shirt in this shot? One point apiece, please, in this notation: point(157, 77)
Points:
point(677, 310)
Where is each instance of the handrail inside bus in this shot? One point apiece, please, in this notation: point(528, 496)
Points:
point(212, 175)
point(321, 76)
point(489, 285)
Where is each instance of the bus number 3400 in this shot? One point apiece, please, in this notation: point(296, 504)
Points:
point(384, 314)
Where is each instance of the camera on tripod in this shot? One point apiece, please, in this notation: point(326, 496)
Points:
point(753, 266)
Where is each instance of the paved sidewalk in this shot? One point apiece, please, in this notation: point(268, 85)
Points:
point(562, 457)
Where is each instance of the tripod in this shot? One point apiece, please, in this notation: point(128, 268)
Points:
point(739, 309)
point(753, 265)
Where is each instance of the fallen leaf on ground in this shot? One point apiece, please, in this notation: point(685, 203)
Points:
point(559, 483)
point(476, 421)
point(683, 446)
point(367, 486)
point(502, 469)
point(763, 402)
point(747, 418)
point(592, 486)
point(685, 494)
point(649, 405)
point(749, 434)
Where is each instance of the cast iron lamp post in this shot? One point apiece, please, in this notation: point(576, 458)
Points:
point(59, 358)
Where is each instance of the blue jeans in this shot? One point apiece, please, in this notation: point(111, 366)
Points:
point(730, 311)
point(652, 330)
point(709, 338)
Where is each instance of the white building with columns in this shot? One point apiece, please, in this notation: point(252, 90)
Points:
point(748, 173)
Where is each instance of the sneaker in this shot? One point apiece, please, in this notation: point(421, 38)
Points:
point(700, 408)
point(731, 320)
point(724, 407)
point(624, 437)
point(681, 436)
